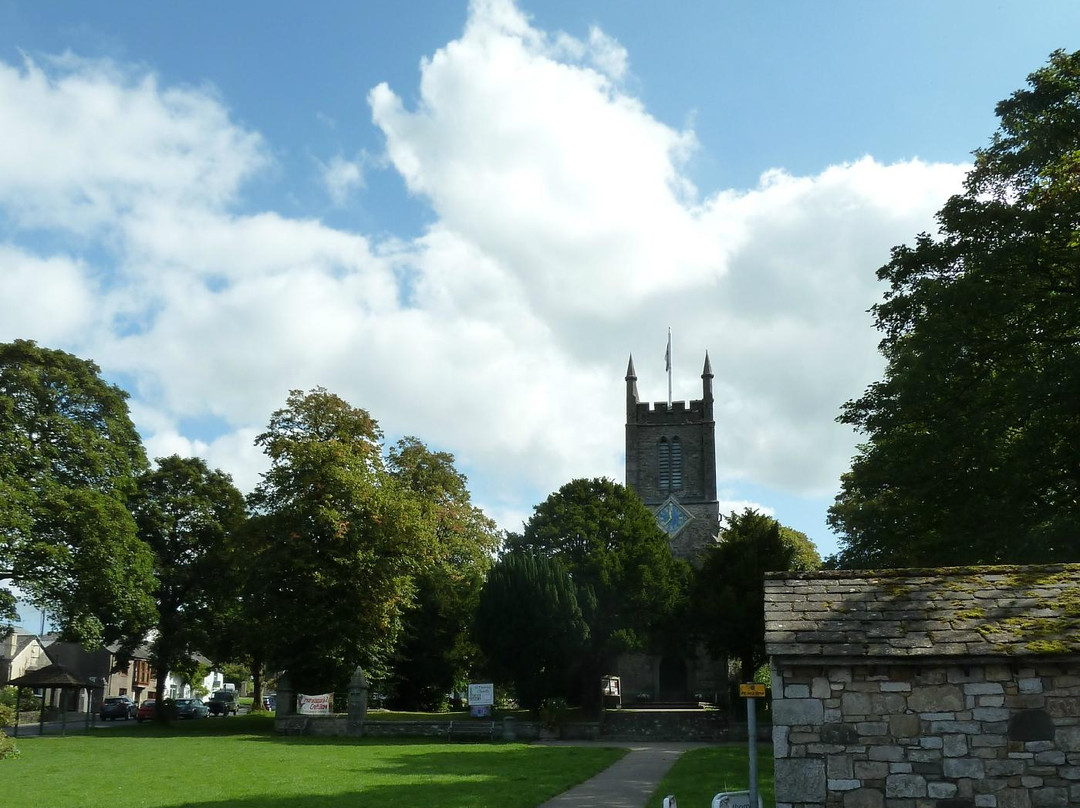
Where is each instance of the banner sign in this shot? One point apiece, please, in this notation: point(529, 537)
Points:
point(482, 694)
point(314, 705)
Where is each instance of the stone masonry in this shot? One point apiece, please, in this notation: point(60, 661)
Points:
point(691, 424)
point(955, 688)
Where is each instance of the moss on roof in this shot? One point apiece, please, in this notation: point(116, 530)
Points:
point(951, 611)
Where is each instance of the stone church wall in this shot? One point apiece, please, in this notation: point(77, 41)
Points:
point(961, 735)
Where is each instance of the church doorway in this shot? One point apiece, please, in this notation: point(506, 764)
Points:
point(673, 679)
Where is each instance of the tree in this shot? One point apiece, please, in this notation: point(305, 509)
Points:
point(69, 456)
point(530, 626)
point(728, 595)
point(435, 651)
point(972, 439)
point(186, 513)
point(343, 542)
point(629, 584)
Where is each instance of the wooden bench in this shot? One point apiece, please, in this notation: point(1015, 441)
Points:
point(471, 731)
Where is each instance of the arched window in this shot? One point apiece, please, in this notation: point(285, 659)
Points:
point(676, 465)
point(663, 463)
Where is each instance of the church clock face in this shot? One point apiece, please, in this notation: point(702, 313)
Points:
point(672, 517)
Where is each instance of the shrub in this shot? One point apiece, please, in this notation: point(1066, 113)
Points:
point(7, 716)
point(553, 712)
point(8, 749)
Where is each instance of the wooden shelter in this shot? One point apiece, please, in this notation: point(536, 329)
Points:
point(54, 677)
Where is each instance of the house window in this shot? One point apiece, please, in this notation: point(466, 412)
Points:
point(664, 463)
point(676, 465)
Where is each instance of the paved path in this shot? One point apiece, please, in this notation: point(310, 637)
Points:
point(629, 782)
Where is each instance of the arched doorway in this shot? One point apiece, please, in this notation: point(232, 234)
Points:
point(673, 679)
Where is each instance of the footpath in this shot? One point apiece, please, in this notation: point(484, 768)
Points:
point(629, 782)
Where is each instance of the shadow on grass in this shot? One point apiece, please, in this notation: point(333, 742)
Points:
point(291, 771)
point(444, 795)
point(450, 776)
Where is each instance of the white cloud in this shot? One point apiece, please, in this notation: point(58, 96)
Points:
point(567, 234)
point(88, 141)
point(341, 176)
point(48, 299)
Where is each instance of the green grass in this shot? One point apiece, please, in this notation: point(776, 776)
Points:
point(700, 774)
point(240, 763)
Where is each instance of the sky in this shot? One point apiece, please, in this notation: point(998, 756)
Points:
point(464, 217)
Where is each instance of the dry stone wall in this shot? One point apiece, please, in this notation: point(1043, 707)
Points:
point(965, 734)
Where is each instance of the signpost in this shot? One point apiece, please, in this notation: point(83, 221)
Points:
point(481, 699)
point(751, 692)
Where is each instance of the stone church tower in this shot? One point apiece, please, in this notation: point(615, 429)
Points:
point(671, 463)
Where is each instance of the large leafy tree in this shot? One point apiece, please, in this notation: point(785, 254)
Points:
point(629, 584)
point(972, 439)
point(343, 542)
point(435, 651)
point(69, 457)
point(728, 592)
point(186, 513)
point(530, 626)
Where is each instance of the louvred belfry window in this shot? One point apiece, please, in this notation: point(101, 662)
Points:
point(676, 465)
point(664, 463)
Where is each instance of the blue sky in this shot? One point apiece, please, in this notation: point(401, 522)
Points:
point(463, 218)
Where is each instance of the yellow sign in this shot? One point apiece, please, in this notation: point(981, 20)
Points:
point(752, 691)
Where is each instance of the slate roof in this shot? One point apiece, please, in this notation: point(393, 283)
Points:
point(22, 640)
point(1016, 611)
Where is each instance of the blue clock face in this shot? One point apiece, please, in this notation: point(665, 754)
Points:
point(672, 517)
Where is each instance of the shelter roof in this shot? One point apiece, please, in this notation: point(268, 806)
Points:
point(1012, 611)
point(54, 675)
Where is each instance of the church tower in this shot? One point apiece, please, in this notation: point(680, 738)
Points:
point(671, 463)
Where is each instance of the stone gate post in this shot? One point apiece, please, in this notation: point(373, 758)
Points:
point(358, 694)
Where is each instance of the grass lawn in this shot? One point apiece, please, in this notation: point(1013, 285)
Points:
point(240, 763)
point(700, 774)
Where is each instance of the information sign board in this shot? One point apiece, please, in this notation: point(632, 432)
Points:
point(482, 694)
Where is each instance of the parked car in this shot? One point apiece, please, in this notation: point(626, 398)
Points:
point(270, 701)
point(222, 702)
point(147, 711)
point(116, 707)
point(191, 708)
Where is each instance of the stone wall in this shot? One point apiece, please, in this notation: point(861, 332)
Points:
point(927, 736)
point(664, 725)
point(507, 729)
point(706, 678)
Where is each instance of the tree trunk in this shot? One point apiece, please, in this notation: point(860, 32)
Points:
point(257, 679)
point(159, 690)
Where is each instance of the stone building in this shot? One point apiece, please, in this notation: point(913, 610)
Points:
point(671, 465)
point(951, 688)
point(20, 653)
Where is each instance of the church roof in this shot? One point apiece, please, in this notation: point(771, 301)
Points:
point(1014, 611)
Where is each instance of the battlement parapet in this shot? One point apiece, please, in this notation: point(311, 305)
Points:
point(680, 412)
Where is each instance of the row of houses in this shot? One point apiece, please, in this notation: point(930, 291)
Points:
point(22, 652)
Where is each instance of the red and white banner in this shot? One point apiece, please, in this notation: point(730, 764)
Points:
point(314, 705)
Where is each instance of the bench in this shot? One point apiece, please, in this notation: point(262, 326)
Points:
point(471, 730)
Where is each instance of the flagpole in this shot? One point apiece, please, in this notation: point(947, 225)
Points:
point(668, 356)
